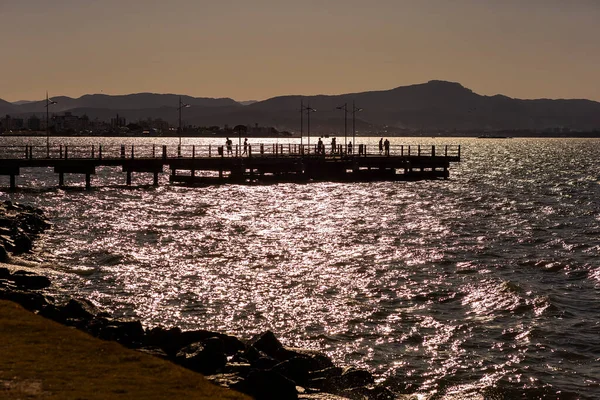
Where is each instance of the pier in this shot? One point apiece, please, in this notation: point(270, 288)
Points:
point(209, 164)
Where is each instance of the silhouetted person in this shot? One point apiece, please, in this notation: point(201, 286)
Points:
point(386, 144)
point(228, 143)
point(320, 146)
point(333, 145)
point(380, 145)
point(349, 147)
point(245, 146)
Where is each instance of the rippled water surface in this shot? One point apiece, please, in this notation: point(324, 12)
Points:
point(487, 283)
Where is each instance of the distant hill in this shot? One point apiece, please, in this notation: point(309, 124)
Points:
point(124, 102)
point(431, 106)
point(7, 108)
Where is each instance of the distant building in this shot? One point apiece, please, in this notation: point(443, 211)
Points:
point(34, 123)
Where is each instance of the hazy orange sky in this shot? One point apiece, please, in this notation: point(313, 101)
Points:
point(256, 49)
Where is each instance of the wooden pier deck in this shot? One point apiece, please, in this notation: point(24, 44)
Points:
point(216, 164)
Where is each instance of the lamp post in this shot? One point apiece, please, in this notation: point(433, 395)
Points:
point(48, 103)
point(345, 108)
point(181, 106)
point(309, 110)
point(301, 124)
point(354, 111)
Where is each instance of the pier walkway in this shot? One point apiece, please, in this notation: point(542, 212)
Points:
point(217, 164)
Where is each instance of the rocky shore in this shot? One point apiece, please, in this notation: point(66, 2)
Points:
point(261, 367)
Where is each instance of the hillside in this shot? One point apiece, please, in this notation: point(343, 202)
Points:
point(431, 106)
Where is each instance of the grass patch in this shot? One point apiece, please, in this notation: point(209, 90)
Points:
point(41, 359)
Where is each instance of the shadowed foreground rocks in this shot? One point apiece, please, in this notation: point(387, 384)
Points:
point(261, 367)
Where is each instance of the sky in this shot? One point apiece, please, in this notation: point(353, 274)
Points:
point(257, 49)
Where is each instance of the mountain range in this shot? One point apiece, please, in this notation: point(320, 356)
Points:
point(431, 106)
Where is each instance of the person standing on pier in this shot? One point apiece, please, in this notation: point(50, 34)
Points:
point(350, 147)
point(380, 146)
point(229, 149)
point(245, 146)
point(320, 147)
point(386, 144)
point(333, 145)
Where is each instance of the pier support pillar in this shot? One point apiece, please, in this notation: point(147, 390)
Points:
point(61, 179)
point(193, 173)
point(88, 181)
point(13, 182)
point(221, 173)
point(155, 183)
point(128, 178)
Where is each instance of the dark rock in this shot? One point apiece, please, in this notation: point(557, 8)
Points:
point(267, 385)
point(350, 378)
point(207, 357)
point(29, 280)
point(241, 369)
point(318, 360)
point(3, 253)
point(226, 379)
point(295, 369)
point(249, 354)
point(264, 363)
point(368, 393)
point(128, 332)
point(4, 273)
point(32, 301)
point(167, 339)
point(327, 373)
point(267, 343)
point(79, 309)
point(22, 242)
point(231, 344)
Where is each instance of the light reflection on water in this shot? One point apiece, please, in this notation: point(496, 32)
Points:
point(488, 280)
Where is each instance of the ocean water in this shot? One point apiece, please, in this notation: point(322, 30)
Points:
point(486, 285)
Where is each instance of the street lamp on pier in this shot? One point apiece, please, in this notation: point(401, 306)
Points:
point(354, 111)
point(345, 108)
point(309, 110)
point(48, 103)
point(181, 106)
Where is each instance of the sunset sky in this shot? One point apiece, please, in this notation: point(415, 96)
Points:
point(256, 49)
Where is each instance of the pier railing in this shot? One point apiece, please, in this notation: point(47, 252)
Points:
point(197, 151)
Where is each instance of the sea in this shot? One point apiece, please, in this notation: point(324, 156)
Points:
point(482, 286)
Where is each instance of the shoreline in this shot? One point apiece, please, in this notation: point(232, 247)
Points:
point(261, 367)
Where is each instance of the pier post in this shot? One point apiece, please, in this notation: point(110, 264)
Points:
point(61, 179)
point(93, 151)
point(132, 152)
point(66, 152)
point(209, 150)
point(459, 152)
point(13, 182)
point(179, 151)
point(193, 152)
point(433, 151)
point(60, 151)
point(26, 151)
point(164, 153)
point(100, 152)
point(128, 178)
point(419, 150)
point(446, 150)
point(249, 150)
point(88, 181)
point(155, 183)
point(122, 151)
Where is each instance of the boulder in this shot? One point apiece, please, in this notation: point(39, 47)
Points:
point(207, 357)
point(267, 343)
point(3, 253)
point(267, 385)
point(296, 369)
point(29, 280)
point(167, 339)
point(318, 360)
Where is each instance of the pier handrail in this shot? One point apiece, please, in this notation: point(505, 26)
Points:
point(198, 151)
